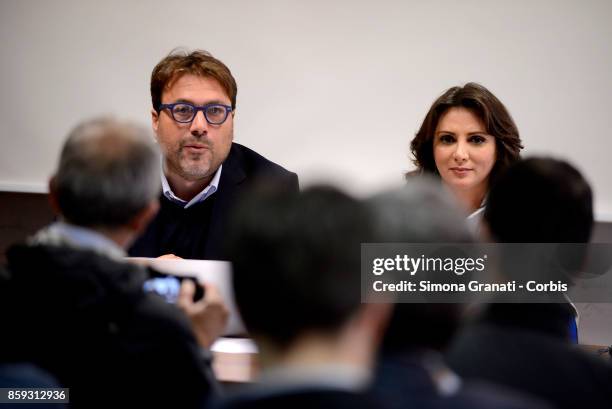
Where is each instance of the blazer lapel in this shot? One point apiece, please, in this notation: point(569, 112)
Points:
point(232, 176)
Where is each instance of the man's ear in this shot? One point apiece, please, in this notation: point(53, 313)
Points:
point(53, 196)
point(362, 335)
point(375, 317)
point(154, 121)
point(142, 219)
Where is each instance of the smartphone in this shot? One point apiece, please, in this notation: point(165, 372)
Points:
point(168, 286)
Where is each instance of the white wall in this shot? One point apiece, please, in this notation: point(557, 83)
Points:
point(333, 90)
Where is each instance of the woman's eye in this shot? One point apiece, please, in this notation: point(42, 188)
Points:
point(477, 139)
point(447, 139)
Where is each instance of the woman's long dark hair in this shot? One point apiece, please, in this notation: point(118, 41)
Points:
point(496, 118)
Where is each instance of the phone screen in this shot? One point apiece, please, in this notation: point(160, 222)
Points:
point(168, 287)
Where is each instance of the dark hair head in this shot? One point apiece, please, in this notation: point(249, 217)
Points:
point(421, 212)
point(540, 200)
point(198, 62)
point(108, 172)
point(494, 115)
point(296, 261)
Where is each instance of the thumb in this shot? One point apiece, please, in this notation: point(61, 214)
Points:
point(186, 293)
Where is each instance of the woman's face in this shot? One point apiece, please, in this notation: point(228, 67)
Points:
point(463, 152)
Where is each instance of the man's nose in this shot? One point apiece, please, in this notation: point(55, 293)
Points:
point(199, 126)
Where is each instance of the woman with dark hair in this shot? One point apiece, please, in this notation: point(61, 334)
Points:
point(467, 138)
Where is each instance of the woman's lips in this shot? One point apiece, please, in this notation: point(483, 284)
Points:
point(459, 171)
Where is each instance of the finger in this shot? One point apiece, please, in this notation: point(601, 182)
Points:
point(170, 256)
point(186, 293)
point(211, 293)
point(213, 297)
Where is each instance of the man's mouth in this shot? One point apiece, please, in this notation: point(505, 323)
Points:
point(195, 147)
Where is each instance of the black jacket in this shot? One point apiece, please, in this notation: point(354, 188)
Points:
point(85, 319)
point(526, 347)
point(404, 381)
point(299, 398)
point(242, 169)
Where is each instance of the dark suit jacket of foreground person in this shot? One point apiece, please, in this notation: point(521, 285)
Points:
point(84, 318)
point(521, 347)
point(301, 398)
point(421, 380)
point(197, 232)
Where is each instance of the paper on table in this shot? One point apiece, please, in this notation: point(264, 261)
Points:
point(218, 273)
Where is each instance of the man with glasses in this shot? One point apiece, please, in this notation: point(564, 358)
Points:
point(203, 171)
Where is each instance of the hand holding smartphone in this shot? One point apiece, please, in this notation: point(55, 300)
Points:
point(169, 286)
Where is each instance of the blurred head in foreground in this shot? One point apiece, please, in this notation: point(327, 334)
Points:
point(297, 276)
point(540, 200)
point(419, 213)
point(107, 177)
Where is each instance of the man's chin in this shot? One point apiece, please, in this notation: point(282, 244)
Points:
point(195, 173)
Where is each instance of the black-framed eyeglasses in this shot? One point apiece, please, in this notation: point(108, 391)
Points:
point(184, 112)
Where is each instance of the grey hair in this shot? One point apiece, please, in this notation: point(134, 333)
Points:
point(108, 172)
point(419, 212)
